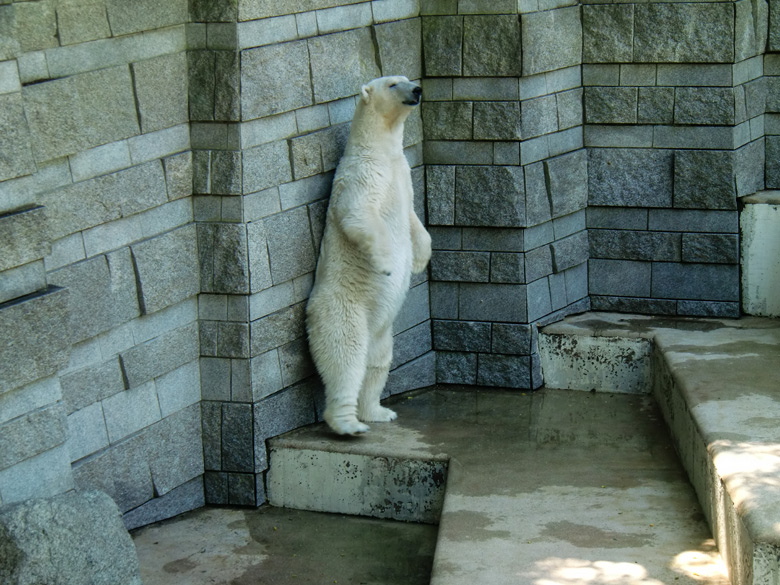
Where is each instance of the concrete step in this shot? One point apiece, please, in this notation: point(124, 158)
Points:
point(716, 383)
point(552, 486)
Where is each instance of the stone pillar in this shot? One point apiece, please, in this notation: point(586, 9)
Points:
point(674, 113)
point(506, 183)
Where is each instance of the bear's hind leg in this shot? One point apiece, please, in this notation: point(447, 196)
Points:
point(342, 387)
point(380, 354)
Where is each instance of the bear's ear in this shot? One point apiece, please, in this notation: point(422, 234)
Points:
point(365, 93)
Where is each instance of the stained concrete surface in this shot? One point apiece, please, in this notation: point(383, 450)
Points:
point(551, 487)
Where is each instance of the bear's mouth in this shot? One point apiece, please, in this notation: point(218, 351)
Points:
point(412, 102)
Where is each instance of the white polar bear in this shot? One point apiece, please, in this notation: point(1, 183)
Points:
point(372, 242)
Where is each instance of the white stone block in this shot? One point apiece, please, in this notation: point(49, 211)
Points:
point(760, 254)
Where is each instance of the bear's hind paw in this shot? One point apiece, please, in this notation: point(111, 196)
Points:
point(353, 428)
point(379, 414)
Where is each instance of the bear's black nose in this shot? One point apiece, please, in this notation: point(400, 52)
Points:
point(417, 91)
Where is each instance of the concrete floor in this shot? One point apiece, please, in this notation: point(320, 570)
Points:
point(551, 487)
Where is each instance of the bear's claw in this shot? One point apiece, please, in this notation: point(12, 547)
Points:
point(379, 414)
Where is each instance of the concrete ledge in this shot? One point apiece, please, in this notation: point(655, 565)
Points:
point(716, 384)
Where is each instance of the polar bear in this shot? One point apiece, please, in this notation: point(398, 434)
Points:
point(372, 242)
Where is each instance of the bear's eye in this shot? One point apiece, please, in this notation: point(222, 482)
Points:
point(392, 85)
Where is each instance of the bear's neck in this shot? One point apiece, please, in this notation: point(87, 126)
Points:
point(377, 133)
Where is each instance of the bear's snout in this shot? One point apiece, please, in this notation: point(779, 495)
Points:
point(416, 95)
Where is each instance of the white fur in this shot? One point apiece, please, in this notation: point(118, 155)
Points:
point(372, 242)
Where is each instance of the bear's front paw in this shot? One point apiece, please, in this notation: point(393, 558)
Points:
point(353, 428)
point(379, 414)
point(382, 265)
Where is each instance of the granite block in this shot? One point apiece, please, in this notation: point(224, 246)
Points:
point(704, 106)
point(611, 105)
point(620, 277)
point(447, 120)
point(160, 84)
point(645, 306)
point(728, 310)
point(538, 263)
point(460, 266)
point(411, 344)
point(551, 40)
point(608, 33)
point(682, 220)
point(237, 441)
point(145, 15)
point(223, 257)
point(23, 237)
point(91, 384)
point(175, 450)
point(493, 240)
point(130, 411)
point(275, 79)
point(567, 182)
point(624, 244)
point(537, 200)
point(655, 105)
point(710, 248)
point(32, 434)
point(440, 194)
point(505, 371)
point(277, 329)
point(290, 248)
point(399, 46)
point(461, 336)
point(711, 282)
point(506, 206)
point(160, 355)
point(704, 179)
point(539, 116)
point(634, 177)
point(492, 302)
point(266, 166)
point(513, 339)
point(442, 41)
point(328, 53)
point(570, 251)
point(616, 218)
point(16, 156)
point(185, 498)
point(507, 267)
point(444, 300)
point(491, 45)
point(456, 368)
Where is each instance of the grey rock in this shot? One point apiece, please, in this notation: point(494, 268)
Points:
point(330, 52)
point(773, 162)
point(211, 426)
point(704, 179)
point(227, 85)
point(178, 175)
point(23, 280)
point(399, 45)
point(749, 165)
point(175, 452)
point(282, 412)
point(419, 373)
point(576, 283)
point(167, 269)
point(23, 237)
point(505, 371)
point(570, 109)
point(160, 84)
point(145, 15)
point(684, 33)
point(73, 538)
point(447, 120)
point(277, 329)
point(290, 248)
point(456, 368)
point(626, 244)
point(507, 267)
point(102, 293)
point(489, 196)
point(656, 105)
point(493, 240)
point(201, 67)
point(444, 300)
point(491, 45)
point(275, 79)
point(704, 105)
point(567, 182)
point(223, 255)
point(411, 344)
point(710, 248)
point(611, 105)
point(537, 200)
point(213, 10)
point(415, 309)
point(460, 266)
point(709, 309)
point(608, 33)
point(619, 278)
point(617, 218)
point(232, 339)
point(774, 30)
point(712, 282)
point(16, 158)
point(630, 177)
point(633, 305)
point(538, 263)
point(442, 38)
point(551, 40)
point(469, 336)
point(241, 489)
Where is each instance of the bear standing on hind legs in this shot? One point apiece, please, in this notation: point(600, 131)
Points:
point(372, 242)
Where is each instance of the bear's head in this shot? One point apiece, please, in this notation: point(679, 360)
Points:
point(391, 97)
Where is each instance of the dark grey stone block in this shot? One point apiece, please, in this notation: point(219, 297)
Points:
point(295, 362)
point(77, 537)
point(232, 340)
point(277, 329)
point(570, 109)
point(644, 306)
point(211, 429)
point(215, 487)
point(184, 498)
point(507, 267)
point(558, 297)
point(444, 300)
point(213, 11)
point(570, 251)
point(684, 220)
point(226, 172)
point(708, 309)
point(608, 33)
point(616, 218)
point(611, 105)
point(567, 181)
point(576, 283)
point(493, 240)
point(440, 194)
point(749, 168)
point(497, 121)
point(633, 177)
point(513, 339)
point(201, 68)
point(444, 238)
point(418, 373)
point(635, 245)
point(569, 225)
point(442, 38)
point(710, 248)
point(460, 266)
point(16, 157)
point(505, 371)
point(712, 282)
point(539, 235)
point(704, 179)
point(619, 278)
point(491, 45)
point(447, 120)
point(684, 33)
point(415, 310)
point(773, 161)
point(704, 106)
point(237, 441)
point(537, 200)
point(492, 302)
point(241, 489)
point(411, 344)
point(539, 116)
point(656, 105)
point(538, 263)
point(538, 299)
point(290, 248)
point(504, 208)
point(456, 368)
point(552, 40)
point(470, 336)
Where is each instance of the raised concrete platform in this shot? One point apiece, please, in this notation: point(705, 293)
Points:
point(717, 383)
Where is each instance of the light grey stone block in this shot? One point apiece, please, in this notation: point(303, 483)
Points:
point(327, 52)
point(178, 175)
point(167, 269)
point(160, 355)
point(91, 384)
point(266, 166)
point(714, 282)
point(160, 84)
point(442, 39)
point(79, 21)
point(75, 537)
point(86, 432)
point(175, 451)
point(130, 411)
point(36, 25)
point(145, 15)
point(539, 302)
point(538, 263)
point(685, 220)
point(608, 33)
point(277, 329)
point(102, 293)
point(704, 105)
point(16, 158)
point(399, 45)
point(31, 434)
point(290, 247)
point(570, 110)
point(506, 208)
point(537, 201)
point(576, 282)
point(275, 79)
point(23, 237)
point(773, 162)
point(611, 105)
point(567, 184)
point(570, 251)
point(630, 177)
point(749, 162)
point(551, 40)
point(178, 389)
point(491, 45)
point(447, 120)
point(684, 33)
point(655, 105)
point(539, 116)
point(620, 277)
point(704, 179)
point(280, 413)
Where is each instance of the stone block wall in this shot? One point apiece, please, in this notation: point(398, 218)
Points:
point(99, 276)
point(506, 179)
point(675, 96)
point(272, 92)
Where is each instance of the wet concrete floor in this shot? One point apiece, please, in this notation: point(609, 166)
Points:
point(544, 488)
